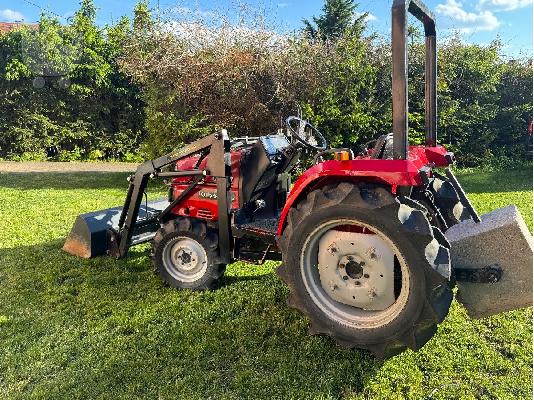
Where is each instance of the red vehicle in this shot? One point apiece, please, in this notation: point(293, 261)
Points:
point(361, 237)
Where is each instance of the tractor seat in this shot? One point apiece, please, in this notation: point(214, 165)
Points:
point(259, 166)
point(383, 148)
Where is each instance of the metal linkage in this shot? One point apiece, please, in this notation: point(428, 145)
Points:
point(217, 167)
point(491, 274)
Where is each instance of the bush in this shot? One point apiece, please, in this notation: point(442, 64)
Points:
point(131, 91)
point(198, 76)
point(65, 96)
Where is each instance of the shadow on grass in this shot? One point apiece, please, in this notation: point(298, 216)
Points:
point(104, 326)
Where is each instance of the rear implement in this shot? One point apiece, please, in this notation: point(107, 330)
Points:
point(493, 262)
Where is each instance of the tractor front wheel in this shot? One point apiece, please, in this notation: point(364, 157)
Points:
point(367, 269)
point(183, 254)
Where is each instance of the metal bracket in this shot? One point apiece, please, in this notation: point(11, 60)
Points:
point(218, 146)
point(490, 274)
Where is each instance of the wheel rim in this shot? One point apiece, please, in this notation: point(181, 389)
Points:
point(342, 313)
point(185, 259)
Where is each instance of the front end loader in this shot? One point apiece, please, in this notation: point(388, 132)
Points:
point(371, 244)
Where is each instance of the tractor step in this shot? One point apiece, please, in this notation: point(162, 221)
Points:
point(264, 229)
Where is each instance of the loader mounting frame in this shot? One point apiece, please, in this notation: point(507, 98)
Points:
point(216, 146)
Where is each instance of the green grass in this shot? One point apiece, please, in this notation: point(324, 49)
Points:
point(72, 328)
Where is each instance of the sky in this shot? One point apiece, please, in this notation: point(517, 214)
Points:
point(478, 21)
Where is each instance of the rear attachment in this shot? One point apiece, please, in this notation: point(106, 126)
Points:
point(492, 261)
point(89, 236)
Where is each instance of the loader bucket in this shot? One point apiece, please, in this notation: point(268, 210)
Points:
point(495, 255)
point(88, 236)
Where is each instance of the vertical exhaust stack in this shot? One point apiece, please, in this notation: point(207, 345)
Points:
point(399, 18)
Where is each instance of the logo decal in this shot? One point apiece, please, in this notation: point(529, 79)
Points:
point(211, 195)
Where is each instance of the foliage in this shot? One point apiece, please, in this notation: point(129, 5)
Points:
point(63, 93)
point(104, 328)
point(199, 77)
point(485, 102)
point(350, 106)
point(338, 19)
point(137, 89)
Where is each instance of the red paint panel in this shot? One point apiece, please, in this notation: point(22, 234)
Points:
point(391, 172)
point(202, 201)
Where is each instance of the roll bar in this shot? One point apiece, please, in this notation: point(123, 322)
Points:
point(400, 74)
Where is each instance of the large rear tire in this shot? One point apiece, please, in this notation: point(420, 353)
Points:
point(440, 197)
point(183, 254)
point(424, 296)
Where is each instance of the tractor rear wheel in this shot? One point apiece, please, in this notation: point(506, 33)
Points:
point(183, 254)
point(448, 201)
point(365, 268)
point(441, 195)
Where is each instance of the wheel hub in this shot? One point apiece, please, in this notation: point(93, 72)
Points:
point(357, 269)
point(185, 258)
point(353, 269)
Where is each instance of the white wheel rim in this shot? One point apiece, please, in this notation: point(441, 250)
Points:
point(345, 314)
point(185, 259)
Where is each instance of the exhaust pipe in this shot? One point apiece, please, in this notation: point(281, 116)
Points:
point(492, 260)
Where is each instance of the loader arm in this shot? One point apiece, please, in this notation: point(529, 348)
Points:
point(218, 145)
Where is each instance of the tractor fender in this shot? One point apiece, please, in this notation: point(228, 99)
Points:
point(389, 172)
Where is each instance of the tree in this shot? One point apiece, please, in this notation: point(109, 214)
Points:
point(82, 91)
point(142, 16)
point(347, 107)
point(63, 95)
point(88, 9)
point(338, 18)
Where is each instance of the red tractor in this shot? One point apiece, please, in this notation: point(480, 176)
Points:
point(361, 238)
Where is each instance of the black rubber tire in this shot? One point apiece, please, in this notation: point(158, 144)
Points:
point(430, 296)
point(447, 200)
point(198, 231)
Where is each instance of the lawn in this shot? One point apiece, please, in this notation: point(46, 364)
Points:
point(101, 328)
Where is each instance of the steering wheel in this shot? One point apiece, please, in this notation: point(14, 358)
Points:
point(307, 134)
